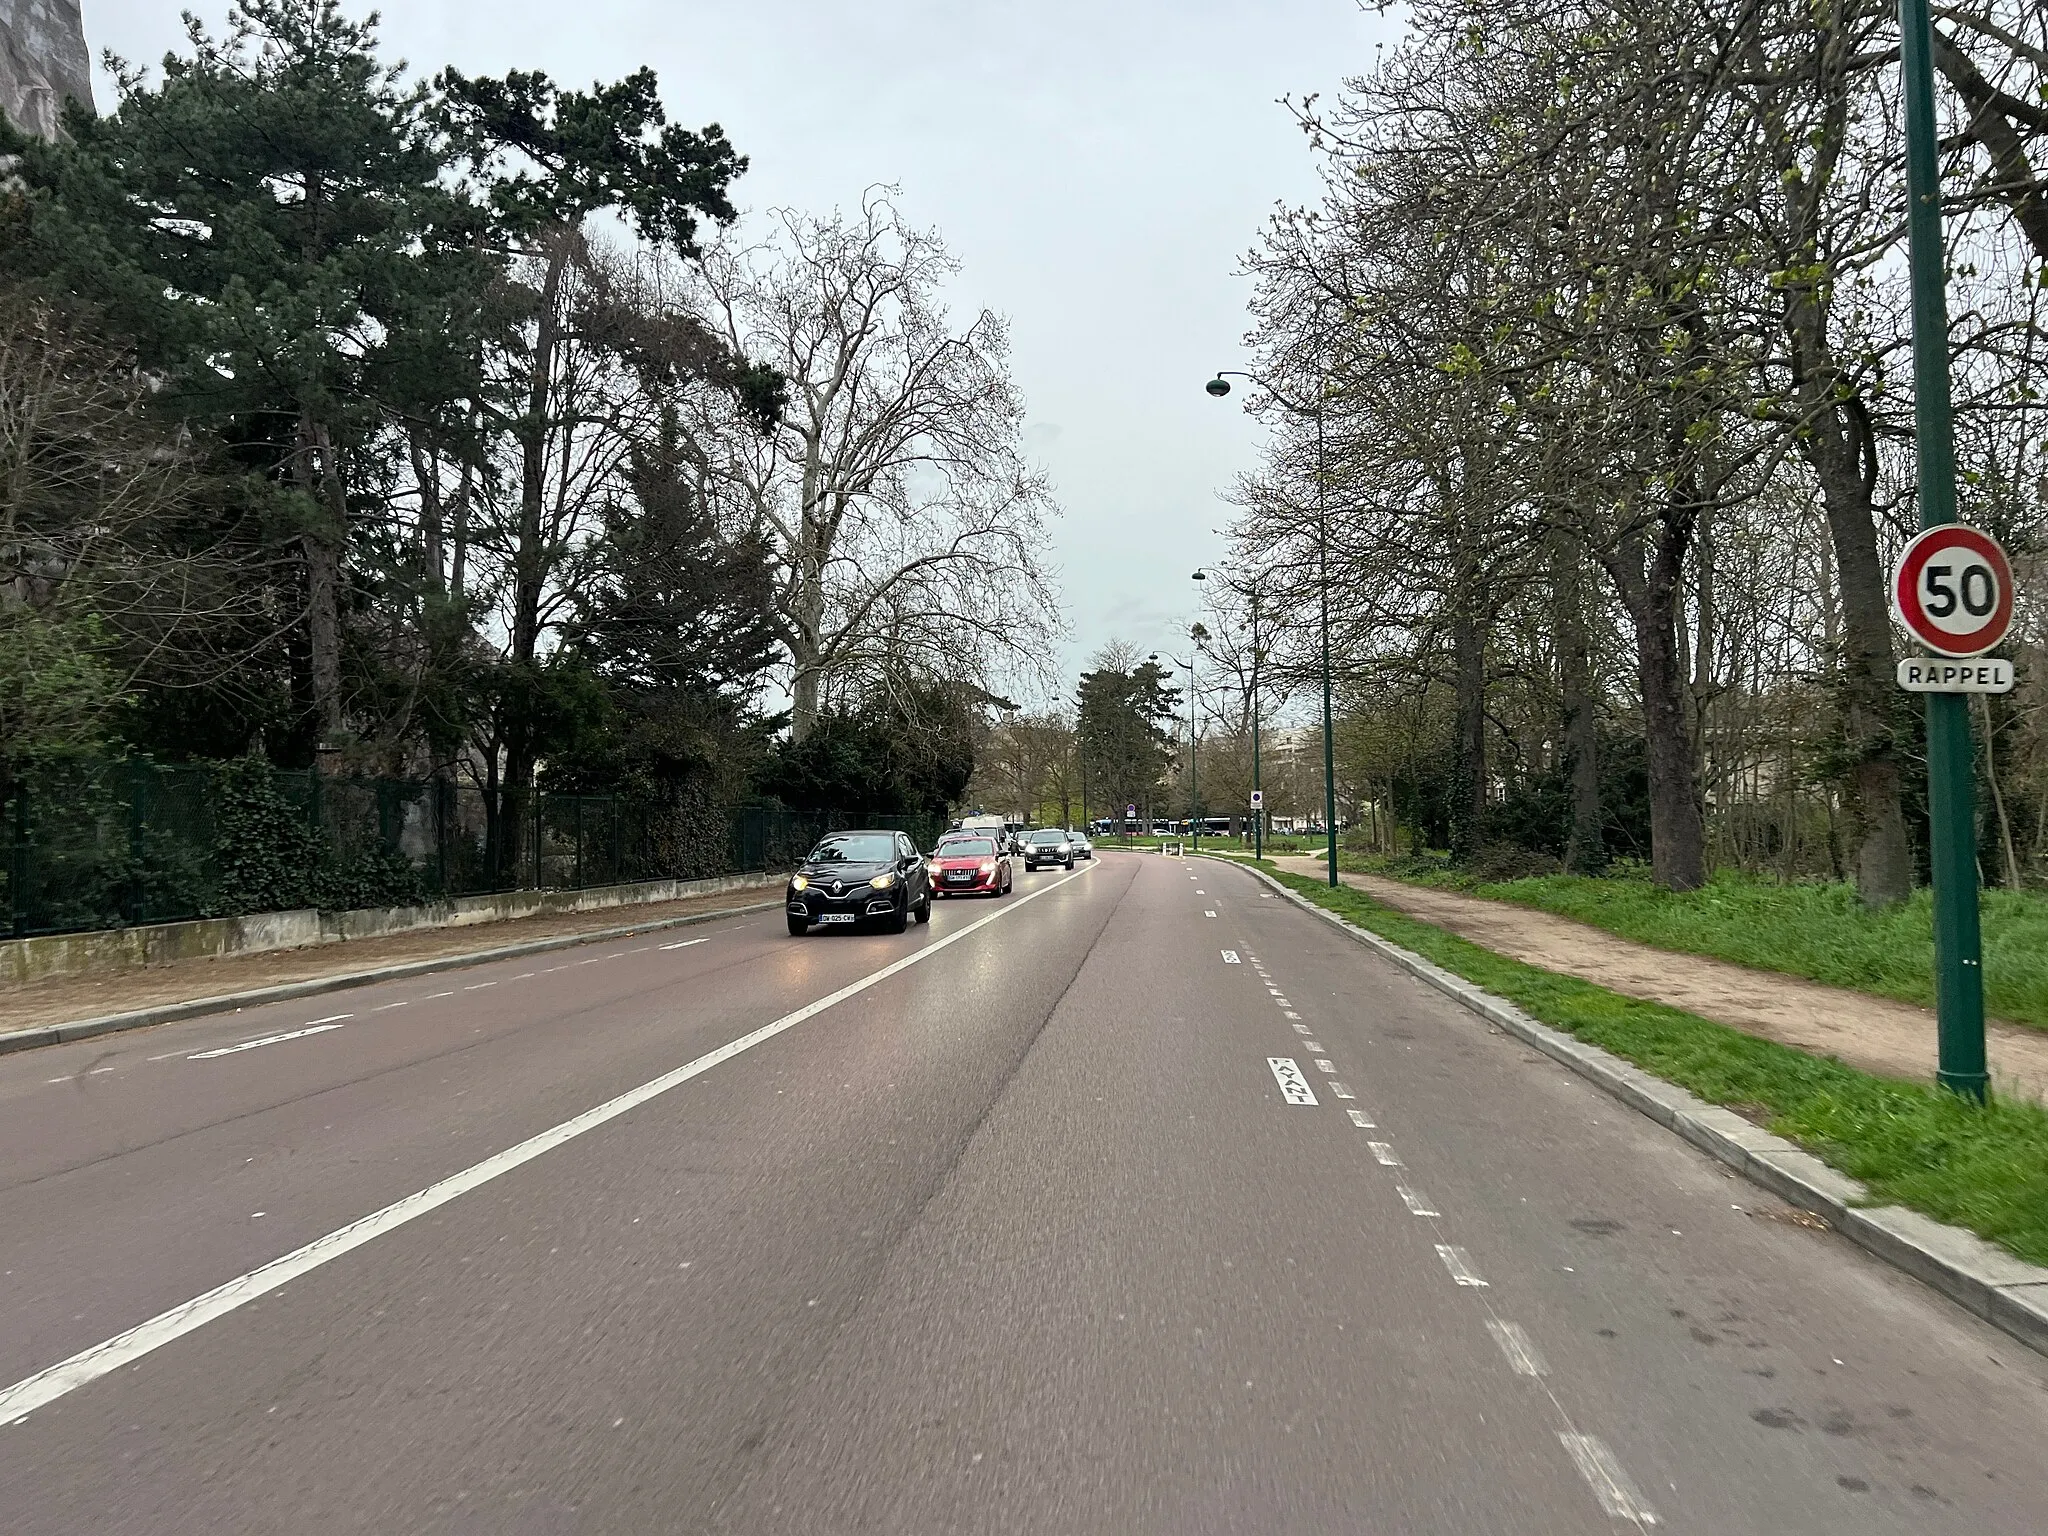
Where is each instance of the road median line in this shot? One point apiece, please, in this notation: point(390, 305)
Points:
point(2002, 1289)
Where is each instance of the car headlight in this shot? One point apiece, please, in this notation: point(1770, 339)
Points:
point(988, 866)
point(799, 883)
point(883, 881)
point(1063, 848)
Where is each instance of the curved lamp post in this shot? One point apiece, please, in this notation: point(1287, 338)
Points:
point(1219, 387)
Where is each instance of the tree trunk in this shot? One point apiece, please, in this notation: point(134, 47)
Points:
point(1468, 809)
point(1842, 456)
point(1677, 830)
point(1586, 847)
point(317, 475)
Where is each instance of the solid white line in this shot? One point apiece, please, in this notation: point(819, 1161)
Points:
point(1610, 1485)
point(1359, 1119)
point(1459, 1263)
point(686, 943)
point(1522, 1353)
point(1385, 1155)
point(88, 1365)
point(317, 1027)
point(1416, 1201)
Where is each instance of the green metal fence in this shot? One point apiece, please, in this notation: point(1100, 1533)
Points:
point(88, 845)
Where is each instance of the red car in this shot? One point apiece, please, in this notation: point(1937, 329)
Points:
point(970, 866)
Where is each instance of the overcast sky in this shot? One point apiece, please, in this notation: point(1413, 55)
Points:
point(1100, 168)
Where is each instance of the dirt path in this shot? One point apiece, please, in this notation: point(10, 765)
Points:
point(1875, 1034)
point(65, 999)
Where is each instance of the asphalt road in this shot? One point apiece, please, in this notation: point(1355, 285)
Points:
point(1018, 1232)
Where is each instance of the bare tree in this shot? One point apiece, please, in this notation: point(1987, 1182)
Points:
point(909, 527)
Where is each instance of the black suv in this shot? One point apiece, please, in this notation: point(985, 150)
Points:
point(1048, 845)
point(854, 878)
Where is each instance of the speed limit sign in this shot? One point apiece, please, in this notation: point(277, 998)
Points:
point(1953, 590)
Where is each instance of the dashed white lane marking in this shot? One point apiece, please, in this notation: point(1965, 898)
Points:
point(1200, 892)
point(317, 1027)
point(1274, 990)
point(1324, 1064)
point(1610, 1484)
point(478, 986)
point(88, 1365)
point(1416, 1201)
point(593, 959)
point(1301, 1029)
point(1521, 1351)
point(1459, 1263)
point(1360, 1119)
point(1230, 957)
point(1208, 914)
point(686, 943)
point(1291, 1013)
point(432, 995)
point(1339, 1091)
point(1311, 1046)
point(1294, 1087)
point(401, 1003)
point(1385, 1155)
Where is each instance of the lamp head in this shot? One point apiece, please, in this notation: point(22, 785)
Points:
point(1200, 576)
point(1218, 386)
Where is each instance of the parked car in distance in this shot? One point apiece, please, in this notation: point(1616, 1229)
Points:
point(854, 878)
point(970, 866)
point(1048, 845)
point(1083, 848)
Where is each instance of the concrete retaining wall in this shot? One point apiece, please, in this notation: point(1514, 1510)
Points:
point(126, 949)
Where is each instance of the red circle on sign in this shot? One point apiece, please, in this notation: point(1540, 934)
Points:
point(1916, 602)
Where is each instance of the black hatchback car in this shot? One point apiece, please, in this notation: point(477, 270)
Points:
point(852, 879)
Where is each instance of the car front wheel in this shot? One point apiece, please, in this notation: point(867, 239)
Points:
point(798, 926)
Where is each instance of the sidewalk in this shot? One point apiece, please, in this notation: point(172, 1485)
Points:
point(65, 999)
point(1874, 1034)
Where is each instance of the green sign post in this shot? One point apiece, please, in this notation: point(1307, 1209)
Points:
point(1951, 795)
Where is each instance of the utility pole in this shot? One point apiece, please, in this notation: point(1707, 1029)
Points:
point(1951, 796)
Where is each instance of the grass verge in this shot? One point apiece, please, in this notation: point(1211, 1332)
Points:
point(1981, 1168)
point(1814, 929)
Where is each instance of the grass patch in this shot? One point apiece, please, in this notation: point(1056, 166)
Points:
point(1809, 929)
point(1915, 1145)
point(1815, 929)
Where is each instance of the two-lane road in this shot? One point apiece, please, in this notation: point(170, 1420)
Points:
point(1135, 1202)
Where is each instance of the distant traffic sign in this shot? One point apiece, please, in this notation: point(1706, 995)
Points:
point(1258, 799)
point(1130, 810)
point(1953, 590)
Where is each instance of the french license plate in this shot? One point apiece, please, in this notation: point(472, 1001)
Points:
point(958, 877)
point(836, 917)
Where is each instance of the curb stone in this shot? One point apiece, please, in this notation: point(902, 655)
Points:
point(230, 1002)
point(2007, 1292)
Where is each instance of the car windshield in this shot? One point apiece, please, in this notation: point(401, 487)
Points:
point(967, 848)
point(1048, 837)
point(859, 848)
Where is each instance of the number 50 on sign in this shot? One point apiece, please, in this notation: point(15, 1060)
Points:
point(1953, 590)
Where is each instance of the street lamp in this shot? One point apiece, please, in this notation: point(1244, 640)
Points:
point(1219, 387)
point(1258, 809)
point(1194, 801)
